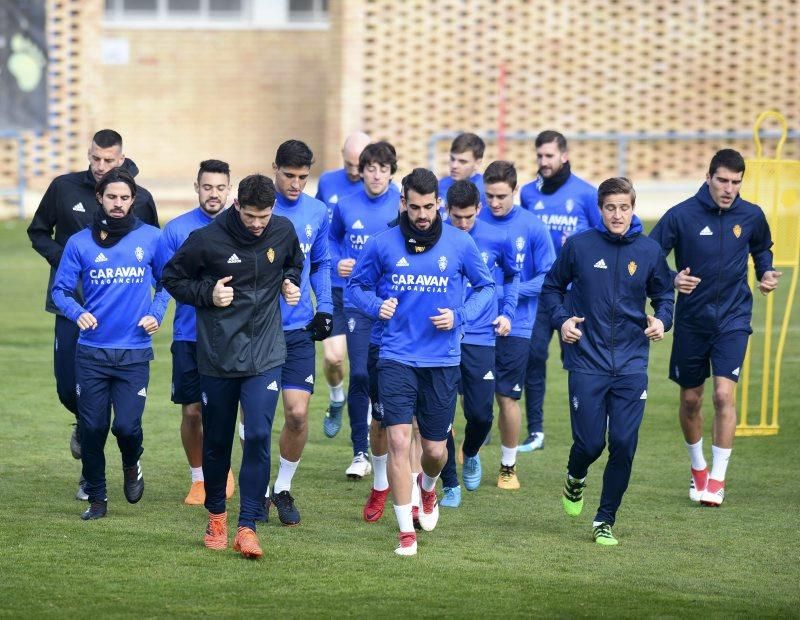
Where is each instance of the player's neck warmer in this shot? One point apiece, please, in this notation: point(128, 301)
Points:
point(114, 227)
point(418, 241)
point(551, 185)
point(232, 222)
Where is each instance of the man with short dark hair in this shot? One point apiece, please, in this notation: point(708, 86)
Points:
point(213, 186)
point(113, 262)
point(533, 256)
point(233, 271)
point(466, 154)
point(566, 204)
point(612, 270)
point(356, 218)
point(713, 233)
point(68, 206)
point(302, 324)
point(477, 381)
point(424, 268)
point(334, 185)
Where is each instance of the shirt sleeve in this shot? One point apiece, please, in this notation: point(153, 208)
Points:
point(541, 245)
point(666, 236)
point(42, 227)
point(293, 264)
point(363, 282)
point(336, 234)
point(508, 266)
point(478, 275)
point(66, 280)
point(320, 275)
point(555, 286)
point(590, 207)
point(661, 292)
point(761, 246)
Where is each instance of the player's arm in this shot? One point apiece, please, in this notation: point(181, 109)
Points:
point(508, 265)
point(292, 270)
point(363, 282)
point(321, 268)
point(146, 209)
point(665, 233)
point(184, 274)
point(66, 280)
point(543, 256)
point(42, 227)
point(661, 294)
point(483, 289)
point(760, 246)
point(556, 282)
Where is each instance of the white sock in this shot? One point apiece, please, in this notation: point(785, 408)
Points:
point(415, 499)
point(267, 493)
point(337, 392)
point(696, 454)
point(285, 474)
point(379, 480)
point(197, 474)
point(719, 462)
point(241, 431)
point(572, 479)
point(509, 456)
point(428, 483)
point(404, 519)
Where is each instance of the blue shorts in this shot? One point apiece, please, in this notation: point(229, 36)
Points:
point(511, 357)
point(694, 355)
point(185, 378)
point(372, 372)
point(339, 320)
point(477, 382)
point(301, 364)
point(429, 393)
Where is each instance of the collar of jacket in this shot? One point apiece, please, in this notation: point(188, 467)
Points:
point(634, 231)
point(703, 196)
point(128, 165)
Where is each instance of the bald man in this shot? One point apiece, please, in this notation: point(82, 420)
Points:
point(333, 186)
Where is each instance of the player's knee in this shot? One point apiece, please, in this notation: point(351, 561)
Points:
point(296, 419)
point(334, 360)
point(192, 414)
point(94, 427)
point(723, 399)
point(124, 430)
point(691, 403)
point(437, 451)
point(592, 449)
point(255, 435)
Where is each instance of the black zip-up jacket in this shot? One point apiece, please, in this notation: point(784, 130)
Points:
point(246, 337)
point(67, 207)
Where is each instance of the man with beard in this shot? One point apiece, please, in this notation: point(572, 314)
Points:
point(68, 206)
point(424, 269)
point(566, 204)
point(213, 185)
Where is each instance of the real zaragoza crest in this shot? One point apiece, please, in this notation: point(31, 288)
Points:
point(632, 267)
point(271, 255)
point(442, 263)
point(140, 253)
point(737, 231)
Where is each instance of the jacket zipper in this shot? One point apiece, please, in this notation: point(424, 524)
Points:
point(614, 313)
point(255, 309)
point(719, 271)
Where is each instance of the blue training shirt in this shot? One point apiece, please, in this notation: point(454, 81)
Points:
point(571, 209)
point(499, 256)
point(309, 217)
point(422, 283)
point(184, 325)
point(334, 185)
point(356, 218)
point(533, 256)
point(117, 285)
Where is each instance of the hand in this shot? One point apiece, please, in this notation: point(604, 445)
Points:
point(685, 283)
point(655, 328)
point(222, 295)
point(769, 282)
point(320, 326)
point(387, 309)
point(87, 321)
point(444, 320)
point(149, 324)
point(290, 292)
point(502, 326)
point(345, 267)
point(569, 330)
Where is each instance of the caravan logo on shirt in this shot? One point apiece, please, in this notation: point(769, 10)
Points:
point(117, 275)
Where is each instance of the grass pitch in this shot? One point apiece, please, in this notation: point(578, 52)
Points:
point(500, 553)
